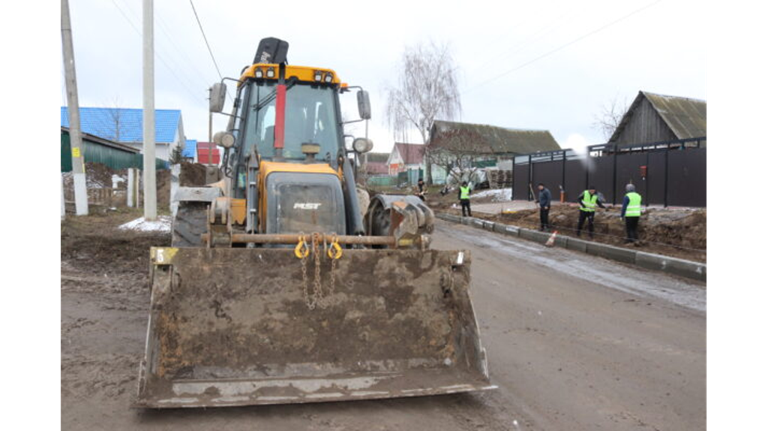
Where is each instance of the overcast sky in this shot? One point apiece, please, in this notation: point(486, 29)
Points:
point(548, 64)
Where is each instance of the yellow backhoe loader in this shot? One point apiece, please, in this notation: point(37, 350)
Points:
point(280, 287)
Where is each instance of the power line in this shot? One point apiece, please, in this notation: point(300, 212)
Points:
point(162, 54)
point(206, 39)
point(126, 17)
point(538, 35)
point(561, 47)
point(191, 64)
point(170, 69)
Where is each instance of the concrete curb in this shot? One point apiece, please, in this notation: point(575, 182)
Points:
point(656, 262)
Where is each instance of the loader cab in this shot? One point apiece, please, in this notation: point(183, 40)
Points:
point(287, 118)
point(312, 115)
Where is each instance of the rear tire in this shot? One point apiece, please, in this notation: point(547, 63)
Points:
point(190, 222)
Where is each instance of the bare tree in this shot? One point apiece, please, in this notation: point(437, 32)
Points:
point(427, 88)
point(115, 118)
point(609, 118)
point(457, 152)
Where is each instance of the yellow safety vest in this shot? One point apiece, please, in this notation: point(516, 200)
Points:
point(588, 202)
point(634, 208)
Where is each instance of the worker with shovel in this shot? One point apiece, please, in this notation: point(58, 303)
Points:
point(588, 200)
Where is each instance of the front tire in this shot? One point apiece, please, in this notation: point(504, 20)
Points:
point(190, 222)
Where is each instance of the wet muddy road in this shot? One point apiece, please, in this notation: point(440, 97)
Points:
point(574, 343)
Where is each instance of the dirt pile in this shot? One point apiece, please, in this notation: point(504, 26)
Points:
point(99, 176)
point(192, 175)
point(163, 184)
point(93, 245)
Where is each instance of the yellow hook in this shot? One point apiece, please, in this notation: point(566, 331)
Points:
point(334, 251)
point(302, 250)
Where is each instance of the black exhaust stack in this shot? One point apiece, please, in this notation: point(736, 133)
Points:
point(272, 50)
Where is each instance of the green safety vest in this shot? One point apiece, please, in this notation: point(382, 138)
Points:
point(588, 202)
point(464, 192)
point(634, 208)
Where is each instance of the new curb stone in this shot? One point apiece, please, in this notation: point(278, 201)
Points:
point(656, 262)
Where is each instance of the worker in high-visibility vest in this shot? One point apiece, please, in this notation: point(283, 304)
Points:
point(588, 201)
point(631, 210)
point(464, 192)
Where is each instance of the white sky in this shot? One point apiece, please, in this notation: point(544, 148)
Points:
point(658, 49)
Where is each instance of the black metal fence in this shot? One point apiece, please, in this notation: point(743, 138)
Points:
point(670, 173)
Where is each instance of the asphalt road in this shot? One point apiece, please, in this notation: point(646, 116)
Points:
point(574, 343)
point(580, 343)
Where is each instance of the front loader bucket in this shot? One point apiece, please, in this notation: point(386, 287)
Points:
point(232, 326)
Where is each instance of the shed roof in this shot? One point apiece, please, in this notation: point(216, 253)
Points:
point(125, 124)
point(686, 117)
point(493, 139)
point(101, 141)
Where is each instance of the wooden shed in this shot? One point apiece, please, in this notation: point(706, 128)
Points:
point(658, 118)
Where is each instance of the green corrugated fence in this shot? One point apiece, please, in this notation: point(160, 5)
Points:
point(98, 153)
point(382, 181)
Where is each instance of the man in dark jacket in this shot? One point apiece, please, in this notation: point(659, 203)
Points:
point(422, 190)
point(544, 201)
point(588, 200)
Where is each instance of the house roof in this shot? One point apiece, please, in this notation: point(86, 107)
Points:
point(189, 148)
point(377, 168)
point(686, 117)
point(125, 124)
point(105, 142)
point(206, 145)
point(491, 139)
point(376, 157)
point(412, 154)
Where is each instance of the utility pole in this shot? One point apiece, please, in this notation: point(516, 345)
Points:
point(75, 137)
point(210, 131)
point(150, 190)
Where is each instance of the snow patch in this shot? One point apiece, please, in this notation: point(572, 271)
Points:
point(497, 195)
point(162, 224)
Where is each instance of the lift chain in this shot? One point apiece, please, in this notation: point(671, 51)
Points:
point(302, 252)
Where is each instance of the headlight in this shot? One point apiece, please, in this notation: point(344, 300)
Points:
point(362, 145)
point(318, 76)
point(328, 77)
point(271, 72)
point(225, 139)
point(259, 73)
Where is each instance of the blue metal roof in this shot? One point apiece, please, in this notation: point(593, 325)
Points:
point(103, 122)
point(189, 148)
